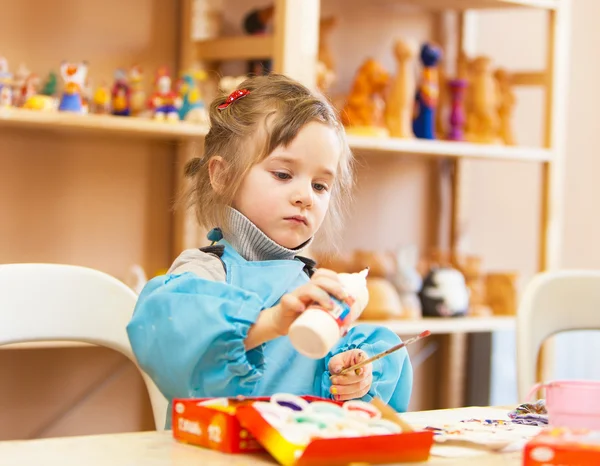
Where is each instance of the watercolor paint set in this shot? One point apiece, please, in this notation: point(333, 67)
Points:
point(299, 431)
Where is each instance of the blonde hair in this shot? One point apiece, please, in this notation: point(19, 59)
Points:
point(248, 130)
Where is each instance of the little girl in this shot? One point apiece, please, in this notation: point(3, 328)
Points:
point(276, 167)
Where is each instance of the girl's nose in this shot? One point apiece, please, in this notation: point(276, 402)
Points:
point(303, 196)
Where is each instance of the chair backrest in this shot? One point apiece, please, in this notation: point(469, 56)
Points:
point(54, 302)
point(553, 302)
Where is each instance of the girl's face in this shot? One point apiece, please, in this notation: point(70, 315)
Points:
point(287, 194)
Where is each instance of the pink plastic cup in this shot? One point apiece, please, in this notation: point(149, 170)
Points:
point(572, 403)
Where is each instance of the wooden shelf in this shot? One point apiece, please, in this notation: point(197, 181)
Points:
point(45, 345)
point(395, 146)
point(480, 4)
point(441, 325)
point(105, 124)
point(236, 48)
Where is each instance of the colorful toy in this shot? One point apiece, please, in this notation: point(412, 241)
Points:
point(29, 88)
point(101, 100)
point(192, 107)
point(427, 93)
point(18, 84)
point(399, 105)
point(165, 102)
point(39, 102)
point(506, 105)
point(121, 94)
point(6, 91)
point(138, 95)
point(50, 85)
point(457, 112)
point(73, 75)
point(361, 112)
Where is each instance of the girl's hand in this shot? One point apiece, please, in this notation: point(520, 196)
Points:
point(351, 385)
point(322, 284)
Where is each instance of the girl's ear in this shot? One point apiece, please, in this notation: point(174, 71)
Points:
point(217, 171)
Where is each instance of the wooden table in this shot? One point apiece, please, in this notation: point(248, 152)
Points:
point(160, 449)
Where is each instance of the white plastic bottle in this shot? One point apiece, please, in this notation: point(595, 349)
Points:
point(317, 330)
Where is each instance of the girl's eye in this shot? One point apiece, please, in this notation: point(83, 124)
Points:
point(319, 187)
point(282, 175)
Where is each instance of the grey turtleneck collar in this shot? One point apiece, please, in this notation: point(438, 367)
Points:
point(252, 244)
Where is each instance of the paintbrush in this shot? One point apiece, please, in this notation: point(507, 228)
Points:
point(424, 334)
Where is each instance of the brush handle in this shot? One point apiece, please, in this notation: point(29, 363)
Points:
point(393, 349)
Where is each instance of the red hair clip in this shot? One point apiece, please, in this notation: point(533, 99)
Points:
point(235, 95)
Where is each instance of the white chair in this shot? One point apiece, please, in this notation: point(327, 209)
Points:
point(553, 302)
point(53, 302)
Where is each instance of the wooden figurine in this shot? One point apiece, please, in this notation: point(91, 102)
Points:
point(506, 105)
point(360, 113)
point(426, 100)
point(325, 65)
point(457, 117)
point(138, 95)
point(73, 75)
point(470, 267)
point(408, 281)
point(384, 301)
point(482, 120)
point(165, 102)
point(444, 102)
point(501, 293)
point(400, 102)
point(121, 94)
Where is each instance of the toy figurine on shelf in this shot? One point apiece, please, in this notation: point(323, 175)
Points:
point(29, 89)
point(121, 94)
point(482, 119)
point(427, 93)
point(138, 95)
point(361, 113)
point(256, 23)
point(408, 281)
point(6, 91)
point(192, 106)
point(506, 106)
point(457, 118)
point(165, 102)
point(399, 104)
point(101, 100)
point(50, 85)
point(19, 83)
point(444, 293)
point(73, 75)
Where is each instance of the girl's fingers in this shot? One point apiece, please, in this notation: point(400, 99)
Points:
point(362, 385)
point(352, 377)
point(310, 293)
point(326, 273)
point(331, 286)
point(291, 303)
point(350, 392)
